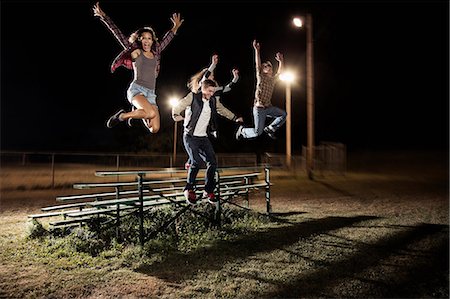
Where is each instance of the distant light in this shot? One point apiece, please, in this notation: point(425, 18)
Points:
point(287, 77)
point(297, 22)
point(173, 102)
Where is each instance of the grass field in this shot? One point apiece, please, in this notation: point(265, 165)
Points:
point(380, 231)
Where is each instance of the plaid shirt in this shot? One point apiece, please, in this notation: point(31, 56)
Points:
point(264, 89)
point(124, 58)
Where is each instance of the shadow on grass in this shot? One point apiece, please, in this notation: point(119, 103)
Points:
point(179, 267)
point(335, 189)
point(280, 217)
point(418, 273)
point(286, 214)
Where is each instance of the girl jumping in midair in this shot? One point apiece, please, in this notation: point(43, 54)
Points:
point(141, 53)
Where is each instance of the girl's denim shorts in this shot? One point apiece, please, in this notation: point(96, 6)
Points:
point(136, 89)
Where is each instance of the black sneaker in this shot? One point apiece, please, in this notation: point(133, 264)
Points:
point(191, 197)
point(114, 120)
point(239, 133)
point(270, 133)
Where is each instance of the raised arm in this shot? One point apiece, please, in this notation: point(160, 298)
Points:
point(197, 79)
point(121, 38)
point(256, 46)
point(167, 38)
point(279, 57)
point(227, 87)
point(211, 68)
point(176, 21)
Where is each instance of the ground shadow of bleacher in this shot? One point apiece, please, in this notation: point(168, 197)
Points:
point(422, 276)
point(214, 257)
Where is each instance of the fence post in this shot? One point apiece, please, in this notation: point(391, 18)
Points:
point(117, 165)
point(53, 170)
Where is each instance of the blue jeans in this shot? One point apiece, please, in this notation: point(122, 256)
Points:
point(259, 115)
point(200, 149)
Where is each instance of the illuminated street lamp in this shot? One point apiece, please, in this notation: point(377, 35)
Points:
point(173, 103)
point(288, 78)
point(298, 22)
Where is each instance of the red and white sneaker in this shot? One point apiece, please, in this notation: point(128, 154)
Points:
point(211, 197)
point(191, 197)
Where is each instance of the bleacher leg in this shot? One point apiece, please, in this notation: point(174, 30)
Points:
point(246, 197)
point(141, 209)
point(267, 180)
point(218, 210)
point(118, 214)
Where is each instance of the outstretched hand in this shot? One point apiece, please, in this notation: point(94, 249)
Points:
point(240, 120)
point(215, 59)
point(235, 72)
point(256, 45)
point(98, 12)
point(177, 21)
point(279, 57)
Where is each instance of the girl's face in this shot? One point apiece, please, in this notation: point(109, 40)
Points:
point(147, 41)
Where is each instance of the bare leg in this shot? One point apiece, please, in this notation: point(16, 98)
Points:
point(144, 110)
point(153, 124)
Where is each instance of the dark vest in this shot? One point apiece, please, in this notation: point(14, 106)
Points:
point(196, 109)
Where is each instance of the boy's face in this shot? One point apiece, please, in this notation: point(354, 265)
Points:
point(208, 91)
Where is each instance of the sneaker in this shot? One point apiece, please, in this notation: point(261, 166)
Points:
point(239, 132)
point(114, 120)
point(211, 197)
point(191, 197)
point(270, 133)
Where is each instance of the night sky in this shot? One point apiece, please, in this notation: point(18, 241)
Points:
point(381, 71)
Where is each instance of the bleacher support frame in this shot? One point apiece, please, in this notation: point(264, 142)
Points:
point(227, 187)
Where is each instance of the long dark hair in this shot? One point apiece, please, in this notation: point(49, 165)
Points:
point(135, 37)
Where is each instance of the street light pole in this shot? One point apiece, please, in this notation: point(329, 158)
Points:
point(309, 97)
point(175, 125)
point(173, 103)
point(288, 126)
point(309, 92)
point(288, 78)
